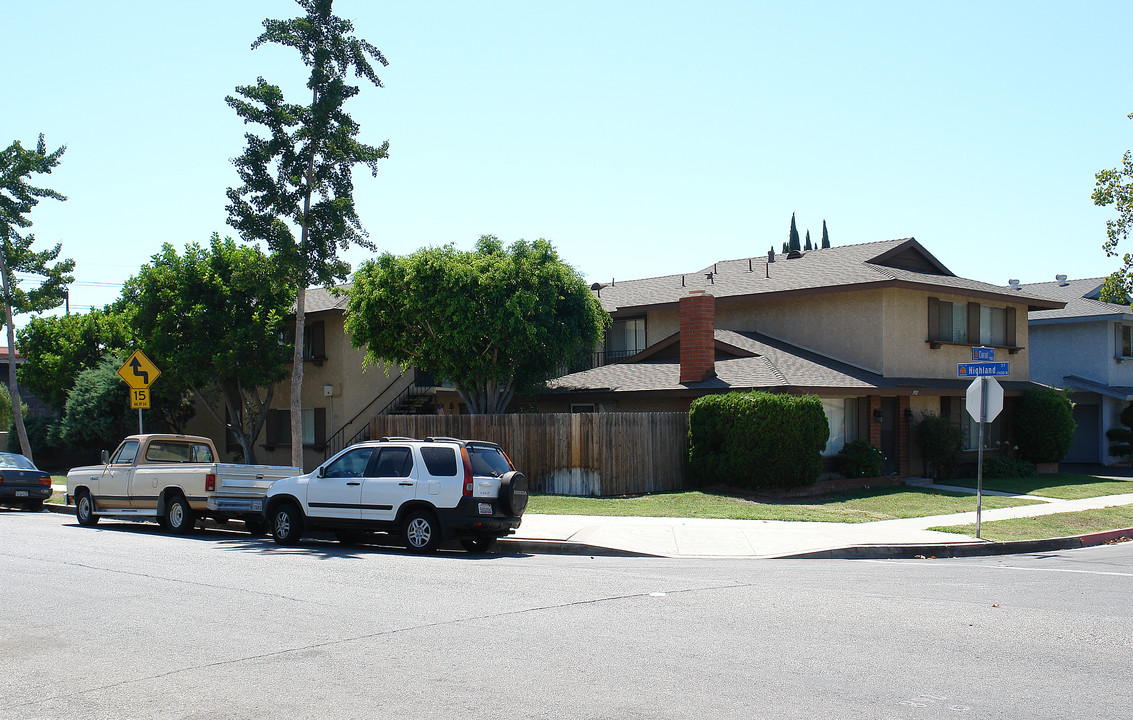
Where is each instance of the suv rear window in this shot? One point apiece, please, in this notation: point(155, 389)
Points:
point(439, 461)
point(487, 460)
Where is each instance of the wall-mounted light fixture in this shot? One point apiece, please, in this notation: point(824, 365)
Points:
point(877, 415)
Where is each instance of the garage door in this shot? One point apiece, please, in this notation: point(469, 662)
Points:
point(1086, 441)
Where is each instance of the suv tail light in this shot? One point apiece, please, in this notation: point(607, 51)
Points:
point(468, 482)
point(210, 482)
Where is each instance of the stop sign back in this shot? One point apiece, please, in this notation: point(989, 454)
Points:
point(975, 398)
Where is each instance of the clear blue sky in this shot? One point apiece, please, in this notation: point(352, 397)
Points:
point(641, 138)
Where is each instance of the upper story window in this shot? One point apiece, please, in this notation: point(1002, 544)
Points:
point(1124, 340)
point(970, 323)
point(625, 338)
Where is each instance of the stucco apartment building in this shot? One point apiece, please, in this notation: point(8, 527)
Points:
point(876, 330)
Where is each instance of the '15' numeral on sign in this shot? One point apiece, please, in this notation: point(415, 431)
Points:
point(139, 398)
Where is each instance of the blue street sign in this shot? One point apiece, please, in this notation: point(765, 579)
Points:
point(981, 369)
point(983, 354)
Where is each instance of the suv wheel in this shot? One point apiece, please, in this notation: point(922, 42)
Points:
point(513, 493)
point(421, 532)
point(287, 524)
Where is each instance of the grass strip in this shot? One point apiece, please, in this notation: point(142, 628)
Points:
point(1064, 486)
point(860, 506)
point(1050, 526)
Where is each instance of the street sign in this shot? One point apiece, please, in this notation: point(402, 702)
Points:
point(981, 369)
point(975, 394)
point(980, 354)
point(139, 398)
point(138, 371)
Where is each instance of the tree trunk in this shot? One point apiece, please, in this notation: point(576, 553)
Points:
point(13, 387)
point(297, 379)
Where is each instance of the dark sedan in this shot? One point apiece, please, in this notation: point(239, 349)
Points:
point(22, 483)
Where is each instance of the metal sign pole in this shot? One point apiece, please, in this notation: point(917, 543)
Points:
point(140, 432)
point(980, 467)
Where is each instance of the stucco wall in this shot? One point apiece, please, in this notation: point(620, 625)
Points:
point(1084, 349)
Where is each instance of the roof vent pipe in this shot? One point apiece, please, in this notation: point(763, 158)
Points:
point(771, 255)
point(1061, 280)
point(1014, 283)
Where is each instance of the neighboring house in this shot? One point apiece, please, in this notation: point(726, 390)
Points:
point(1086, 346)
point(876, 330)
point(339, 398)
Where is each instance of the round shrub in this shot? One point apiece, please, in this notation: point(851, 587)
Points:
point(939, 442)
point(1044, 425)
point(859, 459)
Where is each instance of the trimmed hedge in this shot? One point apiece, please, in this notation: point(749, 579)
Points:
point(859, 459)
point(756, 440)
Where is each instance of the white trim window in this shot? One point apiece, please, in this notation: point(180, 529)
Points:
point(1123, 336)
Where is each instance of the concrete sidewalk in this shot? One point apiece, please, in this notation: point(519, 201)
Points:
point(686, 537)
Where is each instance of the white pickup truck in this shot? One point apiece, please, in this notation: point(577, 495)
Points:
point(173, 479)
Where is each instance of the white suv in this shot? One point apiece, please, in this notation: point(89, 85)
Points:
point(425, 490)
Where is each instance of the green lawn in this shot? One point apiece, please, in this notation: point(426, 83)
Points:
point(1065, 486)
point(853, 507)
point(1050, 526)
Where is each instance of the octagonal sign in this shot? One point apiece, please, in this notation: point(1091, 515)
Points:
point(975, 397)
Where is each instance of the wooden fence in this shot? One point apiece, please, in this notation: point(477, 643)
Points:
point(586, 454)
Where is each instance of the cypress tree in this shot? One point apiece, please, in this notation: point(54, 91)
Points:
point(807, 246)
point(825, 236)
point(793, 239)
point(786, 248)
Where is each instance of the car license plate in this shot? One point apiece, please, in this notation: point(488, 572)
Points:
point(485, 508)
point(24, 493)
point(257, 505)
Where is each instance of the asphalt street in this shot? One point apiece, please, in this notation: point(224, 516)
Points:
point(123, 620)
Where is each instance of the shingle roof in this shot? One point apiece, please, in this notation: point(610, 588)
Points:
point(1078, 306)
point(324, 299)
point(774, 365)
point(885, 263)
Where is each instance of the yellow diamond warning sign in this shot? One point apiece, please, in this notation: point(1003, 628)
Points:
point(138, 371)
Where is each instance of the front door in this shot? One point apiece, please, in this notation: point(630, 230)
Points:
point(889, 420)
point(338, 493)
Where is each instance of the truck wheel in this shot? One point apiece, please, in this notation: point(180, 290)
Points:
point(84, 510)
point(287, 524)
point(421, 532)
point(179, 517)
point(478, 544)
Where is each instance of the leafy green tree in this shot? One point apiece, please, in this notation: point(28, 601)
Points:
point(793, 238)
point(213, 319)
point(297, 192)
point(17, 199)
point(825, 236)
point(939, 441)
point(492, 321)
point(57, 348)
point(1114, 186)
point(98, 410)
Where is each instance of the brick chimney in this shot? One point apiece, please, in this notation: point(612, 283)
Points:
point(698, 344)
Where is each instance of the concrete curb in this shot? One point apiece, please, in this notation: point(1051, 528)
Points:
point(970, 549)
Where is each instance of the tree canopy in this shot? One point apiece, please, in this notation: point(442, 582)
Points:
point(491, 321)
point(1114, 186)
point(793, 236)
point(17, 199)
point(300, 176)
point(213, 319)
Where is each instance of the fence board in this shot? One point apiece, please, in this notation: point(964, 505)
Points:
point(596, 454)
